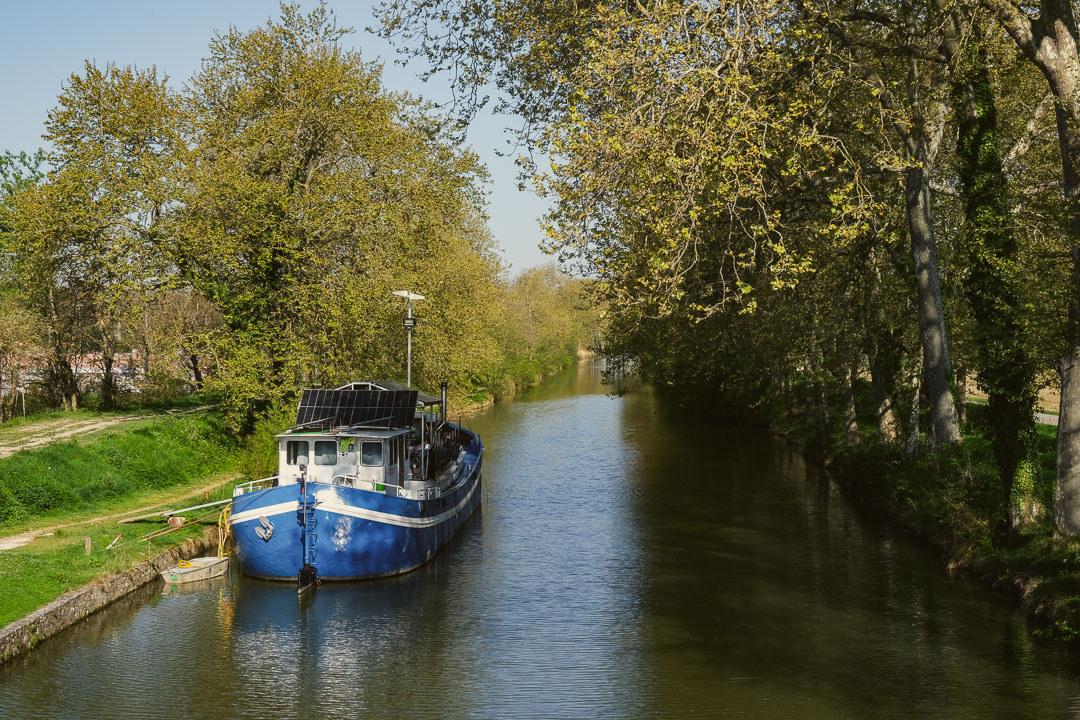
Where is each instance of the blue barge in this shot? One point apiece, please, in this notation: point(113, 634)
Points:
point(372, 481)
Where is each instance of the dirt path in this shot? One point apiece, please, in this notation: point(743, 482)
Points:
point(13, 541)
point(51, 431)
point(1046, 418)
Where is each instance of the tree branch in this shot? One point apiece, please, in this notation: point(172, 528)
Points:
point(1027, 33)
point(1024, 143)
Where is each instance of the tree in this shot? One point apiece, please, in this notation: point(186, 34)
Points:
point(20, 333)
point(678, 132)
point(311, 194)
point(1049, 39)
point(173, 330)
point(920, 46)
point(1005, 370)
point(86, 238)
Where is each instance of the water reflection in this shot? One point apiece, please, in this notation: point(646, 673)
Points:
point(629, 560)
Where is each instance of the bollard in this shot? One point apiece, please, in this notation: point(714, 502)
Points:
point(86, 545)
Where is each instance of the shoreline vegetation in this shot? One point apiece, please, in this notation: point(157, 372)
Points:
point(850, 217)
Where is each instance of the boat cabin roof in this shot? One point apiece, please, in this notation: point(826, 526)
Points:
point(357, 432)
point(421, 396)
point(374, 404)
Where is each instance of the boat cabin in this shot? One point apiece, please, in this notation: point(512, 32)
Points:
point(368, 459)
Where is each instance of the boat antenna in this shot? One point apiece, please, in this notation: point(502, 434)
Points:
point(410, 323)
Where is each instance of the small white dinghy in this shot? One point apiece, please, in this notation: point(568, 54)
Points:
point(195, 569)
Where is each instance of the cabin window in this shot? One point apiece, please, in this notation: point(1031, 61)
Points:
point(294, 450)
point(371, 453)
point(326, 452)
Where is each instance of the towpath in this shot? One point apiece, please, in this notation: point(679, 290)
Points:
point(27, 437)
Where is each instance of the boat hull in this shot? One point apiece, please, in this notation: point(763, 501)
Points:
point(351, 533)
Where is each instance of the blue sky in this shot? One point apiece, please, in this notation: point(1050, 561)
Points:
point(45, 41)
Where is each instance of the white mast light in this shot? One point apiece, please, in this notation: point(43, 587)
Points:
point(410, 323)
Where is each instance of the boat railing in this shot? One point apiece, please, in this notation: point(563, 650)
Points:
point(358, 482)
point(426, 493)
point(254, 485)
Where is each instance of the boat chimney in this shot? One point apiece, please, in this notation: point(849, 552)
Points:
point(443, 388)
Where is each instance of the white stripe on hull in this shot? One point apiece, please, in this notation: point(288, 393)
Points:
point(356, 512)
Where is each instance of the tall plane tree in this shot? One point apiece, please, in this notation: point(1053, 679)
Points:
point(906, 54)
point(1049, 39)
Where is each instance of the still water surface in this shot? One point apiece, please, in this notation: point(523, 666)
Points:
point(628, 561)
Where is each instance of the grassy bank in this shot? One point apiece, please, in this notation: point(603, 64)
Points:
point(122, 461)
point(954, 500)
point(164, 461)
point(43, 570)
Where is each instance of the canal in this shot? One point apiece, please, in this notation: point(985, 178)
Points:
point(630, 560)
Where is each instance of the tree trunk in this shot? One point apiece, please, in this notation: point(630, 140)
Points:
point(1067, 478)
point(851, 423)
point(911, 447)
point(108, 382)
point(1049, 40)
point(195, 370)
point(61, 380)
point(1067, 486)
point(931, 312)
point(886, 418)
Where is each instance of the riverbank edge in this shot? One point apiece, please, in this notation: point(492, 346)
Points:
point(1051, 614)
point(75, 605)
point(582, 355)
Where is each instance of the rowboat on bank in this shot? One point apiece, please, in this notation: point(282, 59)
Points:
point(195, 569)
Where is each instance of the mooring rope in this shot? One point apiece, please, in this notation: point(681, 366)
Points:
point(224, 532)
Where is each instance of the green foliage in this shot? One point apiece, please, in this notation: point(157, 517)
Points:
point(992, 282)
point(313, 194)
point(260, 456)
point(17, 172)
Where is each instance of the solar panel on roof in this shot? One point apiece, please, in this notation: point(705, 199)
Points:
point(390, 408)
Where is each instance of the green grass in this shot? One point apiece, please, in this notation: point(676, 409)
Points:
point(36, 574)
point(121, 462)
point(125, 467)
